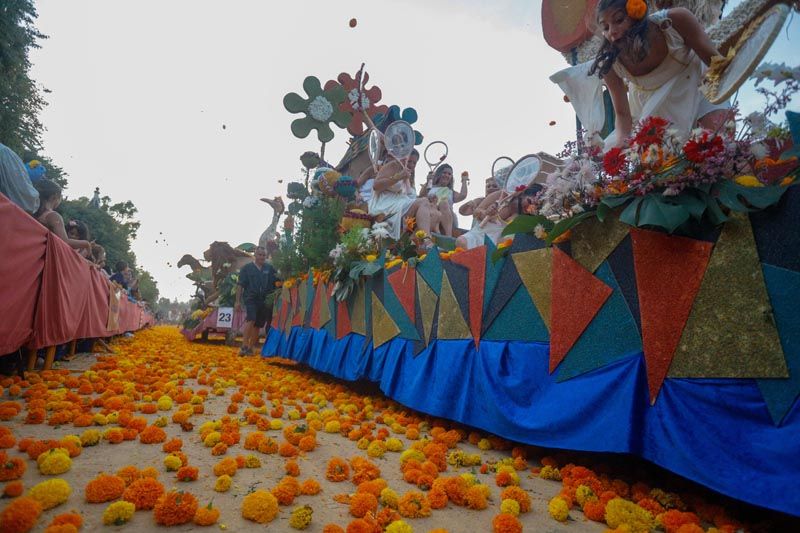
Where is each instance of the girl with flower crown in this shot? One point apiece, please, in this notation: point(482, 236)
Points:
point(652, 66)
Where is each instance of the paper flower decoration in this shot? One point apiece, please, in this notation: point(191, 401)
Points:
point(320, 108)
point(358, 106)
point(394, 113)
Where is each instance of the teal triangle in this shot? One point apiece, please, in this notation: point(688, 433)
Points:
point(508, 325)
point(310, 292)
point(783, 287)
point(330, 327)
point(395, 309)
point(493, 271)
point(430, 269)
point(612, 334)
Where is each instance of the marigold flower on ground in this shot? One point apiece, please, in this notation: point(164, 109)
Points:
point(260, 506)
point(594, 510)
point(118, 513)
point(13, 489)
point(399, 526)
point(301, 517)
point(152, 435)
point(144, 493)
point(337, 470)
point(104, 488)
point(72, 518)
point(12, 468)
point(54, 462)
point(414, 505)
point(206, 516)
point(475, 498)
point(174, 508)
point(506, 523)
point(332, 528)
point(226, 466)
point(623, 512)
point(673, 519)
point(362, 503)
point(509, 506)
point(558, 509)
point(21, 514)
point(187, 473)
point(50, 493)
point(310, 487)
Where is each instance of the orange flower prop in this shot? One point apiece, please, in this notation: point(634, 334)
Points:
point(104, 488)
point(206, 516)
point(175, 508)
point(506, 523)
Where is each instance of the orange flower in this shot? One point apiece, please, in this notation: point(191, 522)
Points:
point(292, 468)
point(12, 468)
point(518, 495)
point(206, 516)
point(144, 493)
point(219, 448)
point(308, 443)
point(187, 473)
point(411, 223)
point(437, 498)
point(310, 487)
point(152, 435)
point(594, 510)
point(175, 508)
point(332, 528)
point(73, 519)
point(337, 470)
point(285, 494)
point(104, 488)
point(226, 466)
point(506, 523)
point(362, 503)
point(673, 519)
point(414, 505)
point(172, 445)
point(287, 450)
point(13, 489)
point(21, 514)
point(475, 498)
point(456, 488)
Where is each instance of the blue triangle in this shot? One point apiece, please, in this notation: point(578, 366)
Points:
point(509, 325)
point(508, 283)
point(430, 269)
point(783, 287)
point(310, 292)
point(612, 334)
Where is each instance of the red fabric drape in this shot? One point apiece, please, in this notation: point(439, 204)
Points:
point(22, 248)
point(49, 295)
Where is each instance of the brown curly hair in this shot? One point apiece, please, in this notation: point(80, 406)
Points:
point(634, 43)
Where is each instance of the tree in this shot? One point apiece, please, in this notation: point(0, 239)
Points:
point(148, 289)
point(20, 99)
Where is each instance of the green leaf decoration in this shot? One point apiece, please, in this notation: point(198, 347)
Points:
point(526, 224)
point(745, 199)
point(656, 211)
point(566, 224)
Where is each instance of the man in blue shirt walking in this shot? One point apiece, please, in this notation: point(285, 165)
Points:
point(256, 283)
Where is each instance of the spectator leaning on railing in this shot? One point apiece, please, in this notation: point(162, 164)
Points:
point(14, 181)
point(49, 199)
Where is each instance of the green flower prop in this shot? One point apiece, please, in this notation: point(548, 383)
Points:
point(320, 109)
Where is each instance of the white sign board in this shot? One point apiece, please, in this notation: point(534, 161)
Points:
point(224, 317)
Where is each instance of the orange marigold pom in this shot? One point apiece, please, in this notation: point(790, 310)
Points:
point(226, 466)
point(20, 515)
point(172, 445)
point(519, 495)
point(337, 470)
point(68, 518)
point(437, 498)
point(12, 469)
point(310, 487)
point(673, 519)
point(456, 488)
point(690, 528)
point(506, 523)
point(13, 489)
point(359, 525)
point(475, 498)
point(174, 508)
point(206, 516)
point(144, 493)
point(284, 493)
point(153, 435)
point(292, 468)
point(129, 474)
point(362, 503)
point(219, 448)
point(332, 528)
point(187, 473)
point(414, 505)
point(287, 449)
point(594, 510)
point(104, 488)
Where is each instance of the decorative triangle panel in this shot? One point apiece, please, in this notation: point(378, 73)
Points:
point(384, 328)
point(427, 306)
point(431, 270)
point(731, 331)
point(343, 326)
point(316, 305)
point(358, 314)
point(404, 283)
point(592, 241)
point(507, 285)
point(451, 321)
point(535, 269)
point(510, 324)
point(325, 304)
point(475, 262)
point(493, 270)
point(669, 270)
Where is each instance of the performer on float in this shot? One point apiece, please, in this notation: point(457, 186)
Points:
point(652, 65)
point(439, 189)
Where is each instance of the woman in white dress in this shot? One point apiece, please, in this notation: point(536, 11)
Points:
point(393, 196)
point(652, 65)
point(439, 189)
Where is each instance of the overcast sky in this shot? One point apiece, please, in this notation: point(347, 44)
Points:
point(141, 90)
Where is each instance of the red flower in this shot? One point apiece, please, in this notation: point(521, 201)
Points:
point(698, 149)
point(614, 161)
point(520, 188)
point(651, 131)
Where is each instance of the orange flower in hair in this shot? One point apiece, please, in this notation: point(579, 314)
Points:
point(636, 9)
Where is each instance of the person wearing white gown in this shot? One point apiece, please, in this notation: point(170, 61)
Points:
point(652, 66)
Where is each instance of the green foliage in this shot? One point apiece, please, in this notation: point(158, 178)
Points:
point(148, 288)
point(104, 229)
point(227, 290)
point(319, 231)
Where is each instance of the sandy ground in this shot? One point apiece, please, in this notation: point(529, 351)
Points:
point(109, 458)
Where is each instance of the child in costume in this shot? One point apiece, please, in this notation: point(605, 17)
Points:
point(652, 66)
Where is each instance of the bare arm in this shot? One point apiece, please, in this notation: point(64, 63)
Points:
point(365, 175)
point(462, 194)
point(388, 175)
point(693, 33)
point(56, 224)
point(622, 110)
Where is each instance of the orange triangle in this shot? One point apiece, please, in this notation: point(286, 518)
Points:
point(669, 271)
point(343, 326)
point(315, 306)
point(577, 296)
point(475, 262)
point(404, 283)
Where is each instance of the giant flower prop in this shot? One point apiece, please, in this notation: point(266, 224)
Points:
point(358, 103)
point(321, 107)
point(393, 113)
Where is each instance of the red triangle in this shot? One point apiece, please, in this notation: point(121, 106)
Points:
point(669, 271)
point(475, 262)
point(282, 316)
point(315, 305)
point(297, 316)
point(343, 326)
point(404, 283)
point(576, 296)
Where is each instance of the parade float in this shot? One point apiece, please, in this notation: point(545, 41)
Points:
point(644, 306)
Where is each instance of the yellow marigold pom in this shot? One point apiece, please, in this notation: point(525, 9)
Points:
point(363, 443)
point(333, 426)
point(389, 498)
point(484, 444)
point(294, 414)
point(470, 478)
point(411, 453)
point(172, 463)
point(90, 437)
point(118, 513)
point(260, 506)
point(393, 445)
point(509, 507)
point(54, 462)
point(549, 472)
point(301, 517)
point(399, 526)
point(164, 403)
point(584, 493)
point(100, 420)
point(251, 461)
point(623, 512)
point(558, 509)
point(376, 448)
point(276, 423)
point(50, 493)
point(223, 483)
point(212, 439)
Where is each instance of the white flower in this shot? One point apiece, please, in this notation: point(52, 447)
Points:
point(337, 251)
point(310, 201)
point(651, 154)
point(758, 123)
point(577, 208)
point(539, 232)
point(380, 230)
point(320, 109)
point(671, 191)
point(758, 150)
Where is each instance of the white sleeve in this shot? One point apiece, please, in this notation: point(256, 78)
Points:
point(585, 93)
